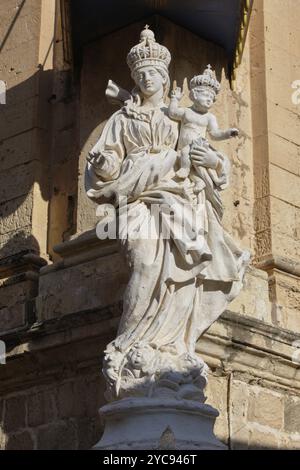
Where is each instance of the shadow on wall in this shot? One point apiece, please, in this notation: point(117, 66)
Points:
point(62, 415)
point(37, 148)
point(37, 132)
point(25, 243)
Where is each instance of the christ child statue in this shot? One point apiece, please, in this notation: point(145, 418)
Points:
point(197, 119)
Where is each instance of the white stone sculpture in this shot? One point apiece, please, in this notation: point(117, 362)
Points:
point(197, 119)
point(185, 273)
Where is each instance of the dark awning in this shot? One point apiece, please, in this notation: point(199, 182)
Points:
point(224, 22)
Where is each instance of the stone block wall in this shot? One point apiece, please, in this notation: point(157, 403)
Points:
point(60, 415)
point(24, 129)
point(61, 288)
point(275, 66)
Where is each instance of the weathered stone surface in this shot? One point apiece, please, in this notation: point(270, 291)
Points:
point(3, 439)
point(261, 172)
point(19, 117)
point(41, 408)
point(87, 393)
point(279, 147)
point(280, 93)
point(16, 150)
point(67, 406)
point(238, 403)
point(12, 317)
point(240, 440)
point(216, 391)
point(262, 216)
point(18, 241)
point(290, 321)
point(9, 10)
point(89, 432)
point(14, 292)
point(292, 415)
point(263, 439)
point(14, 295)
point(287, 290)
point(290, 441)
point(26, 29)
point(18, 71)
point(19, 90)
point(265, 407)
point(263, 243)
point(94, 284)
point(61, 435)
point(14, 413)
point(1, 411)
point(285, 222)
point(2, 432)
point(285, 185)
point(15, 213)
point(20, 441)
point(254, 299)
point(17, 181)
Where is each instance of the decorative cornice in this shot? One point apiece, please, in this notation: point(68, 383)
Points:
point(235, 343)
point(246, 9)
point(287, 265)
point(80, 249)
point(22, 262)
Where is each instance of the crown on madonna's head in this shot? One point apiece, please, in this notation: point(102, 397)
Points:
point(207, 79)
point(148, 52)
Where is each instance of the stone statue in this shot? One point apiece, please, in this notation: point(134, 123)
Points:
point(197, 119)
point(179, 283)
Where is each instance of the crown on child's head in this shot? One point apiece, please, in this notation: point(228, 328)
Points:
point(148, 52)
point(207, 79)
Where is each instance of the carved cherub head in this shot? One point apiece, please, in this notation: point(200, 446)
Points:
point(141, 355)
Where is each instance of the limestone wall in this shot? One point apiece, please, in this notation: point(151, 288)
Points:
point(56, 317)
point(26, 57)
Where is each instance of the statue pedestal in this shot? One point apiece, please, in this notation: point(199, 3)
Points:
point(158, 423)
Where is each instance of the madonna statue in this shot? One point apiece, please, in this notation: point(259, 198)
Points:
point(184, 267)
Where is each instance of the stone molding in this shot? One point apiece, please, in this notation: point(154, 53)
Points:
point(234, 344)
point(286, 265)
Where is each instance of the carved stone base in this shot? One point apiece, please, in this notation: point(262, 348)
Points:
point(146, 423)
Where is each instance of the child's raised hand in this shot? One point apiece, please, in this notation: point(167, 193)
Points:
point(177, 93)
